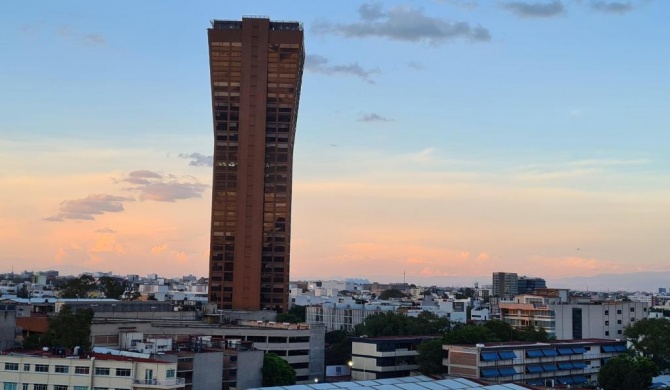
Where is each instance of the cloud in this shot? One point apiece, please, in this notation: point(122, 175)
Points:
point(403, 23)
point(157, 250)
point(107, 243)
point(105, 230)
point(163, 188)
point(415, 65)
point(319, 64)
point(466, 4)
point(88, 39)
point(373, 117)
point(198, 160)
point(526, 9)
point(612, 7)
point(85, 208)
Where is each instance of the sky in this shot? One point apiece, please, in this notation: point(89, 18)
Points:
point(436, 139)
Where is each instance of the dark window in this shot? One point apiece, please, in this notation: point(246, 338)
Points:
point(576, 323)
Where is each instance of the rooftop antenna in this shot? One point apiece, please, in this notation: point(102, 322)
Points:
point(404, 277)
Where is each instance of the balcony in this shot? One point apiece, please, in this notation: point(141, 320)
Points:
point(174, 383)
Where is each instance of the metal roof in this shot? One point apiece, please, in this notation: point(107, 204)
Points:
point(419, 382)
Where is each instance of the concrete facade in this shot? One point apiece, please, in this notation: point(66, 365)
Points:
point(384, 357)
point(301, 345)
point(604, 321)
point(566, 362)
point(45, 371)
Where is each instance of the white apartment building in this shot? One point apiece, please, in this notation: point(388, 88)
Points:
point(384, 357)
point(343, 316)
point(40, 370)
point(596, 321)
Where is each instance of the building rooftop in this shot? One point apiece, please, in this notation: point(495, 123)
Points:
point(551, 343)
point(88, 355)
point(419, 382)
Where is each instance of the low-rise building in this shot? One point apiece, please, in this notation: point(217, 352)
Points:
point(336, 316)
point(565, 362)
point(43, 370)
point(605, 320)
point(384, 357)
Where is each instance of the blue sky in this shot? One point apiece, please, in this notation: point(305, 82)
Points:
point(441, 138)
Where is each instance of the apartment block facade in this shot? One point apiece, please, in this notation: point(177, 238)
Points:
point(40, 370)
point(384, 357)
point(256, 70)
point(568, 362)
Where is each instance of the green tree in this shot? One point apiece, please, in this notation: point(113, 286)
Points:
point(392, 293)
point(651, 338)
point(502, 330)
point(78, 287)
point(112, 287)
point(277, 371)
point(69, 328)
point(624, 372)
point(23, 292)
point(470, 334)
point(338, 348)
point(391, 323)
point(429, 358)
point(296, 314)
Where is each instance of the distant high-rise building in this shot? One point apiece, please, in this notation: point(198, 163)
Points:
point(256, 70)
point(505, 284)
point(528, 285)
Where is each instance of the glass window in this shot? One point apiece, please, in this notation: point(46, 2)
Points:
point(101, 371)
point(26, 367)
point(39, 386)
point(80, 388)
point(11, 366)
point(170, 373)
point(25, 386)
point(60, 387)
point(41, 368)
point(82, 370)
point(62, 369)
point(123, 372)
point(10, 385)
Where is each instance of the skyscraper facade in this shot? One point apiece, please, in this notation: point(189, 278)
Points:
point(256, 70)
point(505, 284)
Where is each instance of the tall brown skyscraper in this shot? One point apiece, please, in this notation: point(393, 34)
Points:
point(256, 69)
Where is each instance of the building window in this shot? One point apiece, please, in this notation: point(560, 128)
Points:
point(170, 373)
point(632, 310)
point(123, 372)
point(618, 322)
point(26, 367)
point(632, 319)
point(607, 312)
point(80, 388)
point(618, 311)
point(10, 385)
point(618, 331)
point(11, 366)
point(60, 387)
point(82, 370)
point(41, 368)
point(100, 388)
point(607, 323)
point(607, 333)
point(61, 369)
point(25, 386)
point(101, 371)
point(39, 386)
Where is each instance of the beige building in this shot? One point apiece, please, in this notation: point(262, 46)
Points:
point(568, 362)
point(384, 357)
point(40, 370)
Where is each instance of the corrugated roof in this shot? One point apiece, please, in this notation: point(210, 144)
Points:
point(419, 382)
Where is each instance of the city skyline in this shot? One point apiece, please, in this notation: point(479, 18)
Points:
point(445, 138)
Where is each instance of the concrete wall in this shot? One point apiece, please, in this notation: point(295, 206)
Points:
point(606, 321)
point(250, 364)
point(317, 355)
point(207, 370)
point(7, 326)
